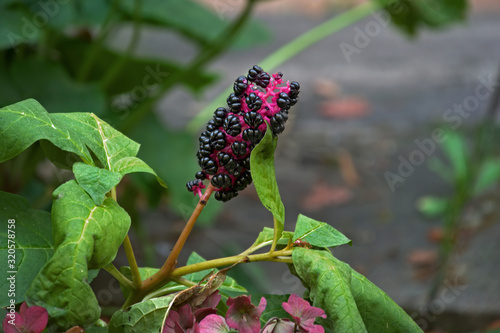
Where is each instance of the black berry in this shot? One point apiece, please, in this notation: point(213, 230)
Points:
point(221, 180)
point(253, 101)
point(192, 183)
point(234, 102)
point(208, 165)
point(240, 85)
point(239, 148)
point(243, 181)
point(201, 175)
point(219, 116)
point(252, 135)
point(253, 119)
point(232, 125)
point(218, 140)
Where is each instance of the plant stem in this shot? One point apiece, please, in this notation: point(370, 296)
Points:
point(275, 238)
point(134, 269)
point(293, 48)
point(206, 55)
point(122, 279)
point(274, 256)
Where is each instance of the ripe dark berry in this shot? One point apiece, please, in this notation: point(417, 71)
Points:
point(192, 183)
point(246, 163)
point(204, 140)
point(294, 89)
point(239, 148)
point(253, 119)
point(203, 153)
point(254, 72)
point(219, 116)
point(218, 140)
point(206, 147)
point(221, 180)
point(208, 165)
point(243, 181)
point(234, 168)
point(277, 124)
point(283, 101)
point(225, 195)
point(234, 102)
point(201, 175)
point(211, 126)
point(257, 75)
point(240, 85)
point(252, 135)
point(232, 125)
point(253, 101)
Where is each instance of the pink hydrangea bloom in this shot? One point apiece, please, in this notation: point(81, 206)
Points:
point(243, 315)
point(28, 320)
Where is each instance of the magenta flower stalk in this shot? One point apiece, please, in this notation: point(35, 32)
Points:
point(232, 133)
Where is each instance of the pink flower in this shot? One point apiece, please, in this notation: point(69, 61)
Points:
point(243, 315)
point(304, 314)
point(214, 324)
point(28, 320)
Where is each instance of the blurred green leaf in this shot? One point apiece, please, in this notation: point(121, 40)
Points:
point(411, 15)
point(489, 174)
point(455, 148)
point(318, 234)
point(179, 15)
point(139, 76)
point(433, 206)
point(441, 169)
point(16, 27)
point(33, 243)
point(48, 83)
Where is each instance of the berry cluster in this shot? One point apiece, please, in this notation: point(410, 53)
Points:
point(232, 133)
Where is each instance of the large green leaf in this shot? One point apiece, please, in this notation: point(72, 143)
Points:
point(95, 181)
point(329, 283)
point(86, 237)
point(147, 316)
point(181, 14)
point(410, 15)
point(138, 75)
point(264, 178)
point(351, 302)
point(379, 312)
point(26, 122)
point(133, 164)
point(318, 234)
point(31, 232)
point(47, 82)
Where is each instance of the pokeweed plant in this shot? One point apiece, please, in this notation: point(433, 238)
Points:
point(56, 255)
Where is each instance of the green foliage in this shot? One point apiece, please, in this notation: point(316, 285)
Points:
point(318, 234)
point(147, 316)
point(33, 243)
point(264, 178)
point(83, 241)
point(267, 235)
point(411, 15)
point(351, 302)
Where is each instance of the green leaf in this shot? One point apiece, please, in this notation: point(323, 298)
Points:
point(83, 240)
point(147, 316)
point(229, 285)
point(31, 232)
point(267, 235)
point(16, 28)
point(48, 83)
point(441, 169)
point(329, 282)
point(274, 307)
point(455, 149)
point(26, 122)
point(488, 175)
point(139, 76)
point(95, 181)
point(264, 178)
point(379, 312)
point(410, 15)
point(179, 15)
point(433, 206)
point(133, 164)
point(318, 234)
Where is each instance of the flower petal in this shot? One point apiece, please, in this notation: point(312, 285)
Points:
point(13, 323)
point(35, 318)
point(213, 324)
point(301, 311)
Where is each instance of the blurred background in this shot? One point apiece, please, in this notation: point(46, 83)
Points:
point(393, 141)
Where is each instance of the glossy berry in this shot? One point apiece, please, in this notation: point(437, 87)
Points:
point(219, 116)
point(253, 119)
point(232, 125)
point(239, 148)
point(234, 102)
point(240, 85)
point(218, 140)
point(258, 99)
point(252, 135)
point(221, 180)
point(253, 101)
